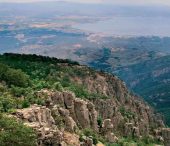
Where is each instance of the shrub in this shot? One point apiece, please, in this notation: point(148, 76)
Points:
point(79, 90)
point(13, 76)
point(13, 133)
point(3, 69)
point(25, 104)
point(90, 133)
point(7, 103)
point(17, 77)
point(38, 85)
point(2, 88)
point(126, 113)
point(18, 91)
point(99, 121)
point(57, 86)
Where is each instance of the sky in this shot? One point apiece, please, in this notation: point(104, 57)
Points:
point(143, 2)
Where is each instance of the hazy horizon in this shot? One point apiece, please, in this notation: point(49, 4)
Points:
point(121, 2)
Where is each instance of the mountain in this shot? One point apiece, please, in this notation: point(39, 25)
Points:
point(51, 101)
point(143, 63)
point(151, 80)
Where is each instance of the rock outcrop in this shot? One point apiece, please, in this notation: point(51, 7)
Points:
point(64, 115)
point(40, 119)
point(107, 131)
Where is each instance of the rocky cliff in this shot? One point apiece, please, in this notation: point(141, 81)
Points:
point(72, 105)
point(64, 115)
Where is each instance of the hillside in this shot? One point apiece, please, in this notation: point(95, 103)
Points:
point(62, 103)
point(151, 80)
point(141, 64)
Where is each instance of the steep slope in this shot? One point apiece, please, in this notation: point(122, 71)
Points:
point(144, 70)
point(151, 80)
point(69, 104)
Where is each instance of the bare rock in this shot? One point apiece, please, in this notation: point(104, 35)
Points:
point(107, 131)
point(87, 141)
point(92, 116)
point(70, 124)
point(82, 113)
point(69, 99)
point(71, 139)
point(40, 119)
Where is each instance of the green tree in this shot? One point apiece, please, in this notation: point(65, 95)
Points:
point(13, 76)
point(17, 78)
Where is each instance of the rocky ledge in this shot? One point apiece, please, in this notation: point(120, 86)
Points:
point(60, 121)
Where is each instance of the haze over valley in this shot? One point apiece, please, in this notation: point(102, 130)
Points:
point(131, 41)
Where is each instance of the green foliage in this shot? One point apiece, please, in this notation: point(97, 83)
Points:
point(18, 91)
point(79, 91)
point(2, 88)
point(57, 86)
point(127, 113)
point(16, 77)
point(21, 76)
point(3, 70)
point(25, 104)
point(99, 121)
point(90, 133)
point(13, 133)
point(146, 141)
point(44, 72)
point(59, 121)
point(7, 103)
point(13, 76)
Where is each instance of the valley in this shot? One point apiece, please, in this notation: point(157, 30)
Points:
point(138, 55)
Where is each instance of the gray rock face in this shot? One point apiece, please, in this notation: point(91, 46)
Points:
point(82, 113)
point(36, 115)
point(40, 119)
point(92, 116)
point(131, 130)
point(70, 124)
point(107, 131)
point(64, 114)
point(87, 142)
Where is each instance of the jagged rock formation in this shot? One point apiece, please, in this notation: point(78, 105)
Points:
point(99, 108)
point(112, 113)
point(40, 119)
point(64, 115)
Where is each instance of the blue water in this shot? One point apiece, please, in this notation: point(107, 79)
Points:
point(130, 26)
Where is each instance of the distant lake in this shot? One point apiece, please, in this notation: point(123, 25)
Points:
point(130, 26)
